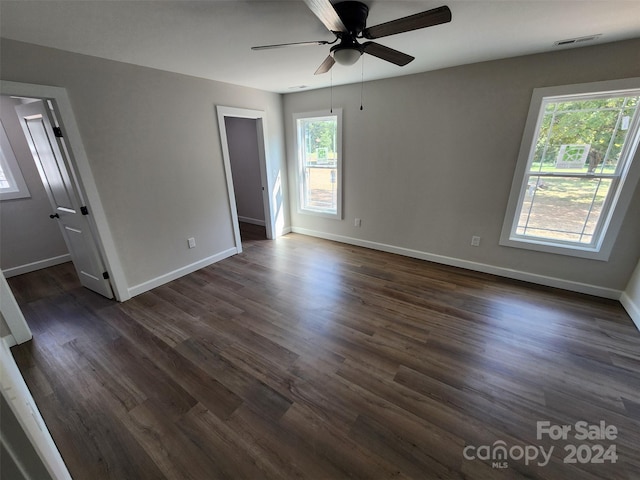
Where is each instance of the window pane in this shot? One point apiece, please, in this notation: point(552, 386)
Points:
point(4, 182)
point(321, 191)
point(319, 160)
point(577, 141)
point(12, 185)
point(564, 208)
point(7, 182)
point(583, 136)
point(571, 191)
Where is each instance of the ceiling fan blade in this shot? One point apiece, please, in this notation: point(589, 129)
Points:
point(295, 44)
point(327, 14)
point(386, 53)
point(429, 18)
point(325, 66)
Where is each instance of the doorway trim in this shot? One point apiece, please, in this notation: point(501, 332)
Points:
point(263, 160)
point(10, 311)
point(84, 178)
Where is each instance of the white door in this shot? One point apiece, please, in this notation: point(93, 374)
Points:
point(68, 208)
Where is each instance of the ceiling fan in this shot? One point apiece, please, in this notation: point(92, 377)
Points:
point(347, 21)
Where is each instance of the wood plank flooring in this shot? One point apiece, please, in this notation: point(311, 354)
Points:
point(251, 233)
point(303, 358)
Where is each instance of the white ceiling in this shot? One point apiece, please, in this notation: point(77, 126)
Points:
point(212, 39)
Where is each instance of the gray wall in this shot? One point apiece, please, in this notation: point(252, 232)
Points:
point(27, 234)
point(153, 145)
point(245, 164)
point(427, 164)
point(430, 160)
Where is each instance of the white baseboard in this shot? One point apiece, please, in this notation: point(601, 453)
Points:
point(480, 267)
point(33, 266)
point(632, 309)
point(253, 221)
point(181, 272)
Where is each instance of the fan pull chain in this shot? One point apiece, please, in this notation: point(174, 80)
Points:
point(331, 91)
point(362, 85)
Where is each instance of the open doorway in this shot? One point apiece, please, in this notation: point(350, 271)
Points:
point(244, 160)
point(15, 329)
point(38, 138)
point(28, 239)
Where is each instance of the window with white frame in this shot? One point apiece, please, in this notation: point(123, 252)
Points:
point(319, 162)
point(576, 170)
point(12, 184)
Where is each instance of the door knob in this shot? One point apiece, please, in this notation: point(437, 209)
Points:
point(54, 215)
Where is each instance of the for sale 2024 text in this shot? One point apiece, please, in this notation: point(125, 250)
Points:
point(581, 431)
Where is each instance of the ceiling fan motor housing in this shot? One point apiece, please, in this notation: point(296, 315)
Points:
point(354, 16)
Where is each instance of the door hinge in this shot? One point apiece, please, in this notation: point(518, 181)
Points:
point(84, 210)
point(105, 275)
point(57, 131)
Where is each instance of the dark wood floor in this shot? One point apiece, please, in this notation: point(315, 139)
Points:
point(303, 358)
point(252, 233)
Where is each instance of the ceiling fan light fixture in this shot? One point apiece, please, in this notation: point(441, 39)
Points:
point(346, 56)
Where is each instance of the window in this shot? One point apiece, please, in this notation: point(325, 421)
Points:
point(576, 171)
point(12, 184)
point(319, 162)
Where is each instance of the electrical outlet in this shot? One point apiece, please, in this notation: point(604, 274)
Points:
point(475, 241)
point(192, 242)
point(357, 222)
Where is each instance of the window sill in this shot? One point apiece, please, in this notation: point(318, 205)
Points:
point(319, 213)
point(15, 195)
point(592, 253)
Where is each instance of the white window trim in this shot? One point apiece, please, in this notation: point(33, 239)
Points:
point(612, 224)
point(12, 171)
point(322, 113)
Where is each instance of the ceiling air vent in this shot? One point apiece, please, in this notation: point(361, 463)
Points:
point(570, 41)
